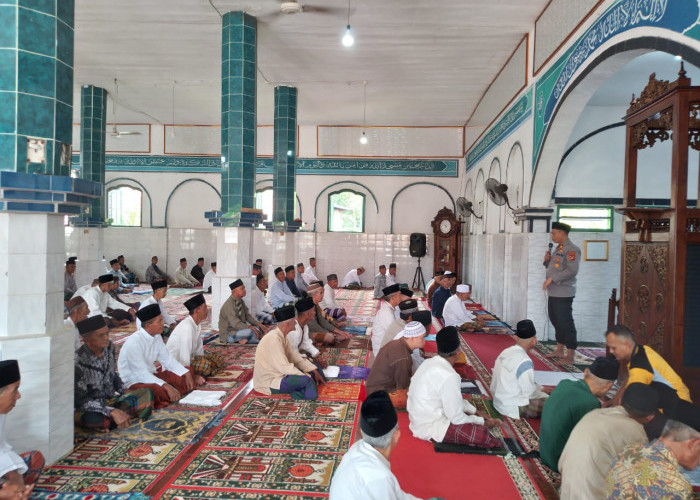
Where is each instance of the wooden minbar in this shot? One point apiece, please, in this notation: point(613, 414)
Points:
point(660, 276)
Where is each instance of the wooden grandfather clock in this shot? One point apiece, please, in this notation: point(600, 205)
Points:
point(447, 251)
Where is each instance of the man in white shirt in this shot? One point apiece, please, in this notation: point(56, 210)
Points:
point(183, 278)
point(98, 300)
point(454, 313)
point(385, 316)
point(435, 406)
point(77, 311)
point(515, 392)
point(280, 294)
point(391, 275)
point(185, 343)
point(260, 307)
point(310, 272)
point(160, 290)
point(380, 282)
point(137, 360)
point(209, 278)
point(328, 303)
point(115, 270)
point(365, 472)
point(299, 337)
point(18, 473)
point(351, 280)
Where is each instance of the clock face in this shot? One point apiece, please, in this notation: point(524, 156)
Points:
point(445, 226)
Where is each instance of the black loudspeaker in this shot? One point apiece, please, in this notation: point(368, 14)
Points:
point(417, 245)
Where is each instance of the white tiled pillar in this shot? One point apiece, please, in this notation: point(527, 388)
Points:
point(88, 245)
point(31, 330)
point(234, 255)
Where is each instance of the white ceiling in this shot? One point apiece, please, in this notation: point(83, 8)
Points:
point(426, 62)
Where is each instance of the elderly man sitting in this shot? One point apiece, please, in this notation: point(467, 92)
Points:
point(380, 282)
point(393, 367)
point(329, 304)
point(183, 278)
point(515, 393)
point(185, 344)
point(260, 307)
point(289, 279)
point(279, 368)
point(138, 356)
point(365, 472)
point(209, 278)
point(322, 328)
point(299, 280)
point(153, 272)
point(454, 313)
point(18, 473)
point(351, 280)
point(654, 470)
point(236, 324)
point(299, 337)
point(568, 403)
point(99, 301)
point(436, 409)
point(101, 400)
point(385, 316)
point(280, 294)
point(160, 290)
point(77, 311)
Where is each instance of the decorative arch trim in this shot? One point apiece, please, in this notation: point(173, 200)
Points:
point(393, 200)
point(374, 198)
point(167, 203)
point(143, 188)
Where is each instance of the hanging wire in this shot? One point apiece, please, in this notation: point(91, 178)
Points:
point(364, 106)
point(348, 12)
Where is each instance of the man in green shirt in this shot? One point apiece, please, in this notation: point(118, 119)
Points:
point(568, 403)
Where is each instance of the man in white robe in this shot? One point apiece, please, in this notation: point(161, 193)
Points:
point(160, 290)
point(328, 303)
point(299, 337)
point(352, 280)
point(98, 300)
point(260, 307)
point(310, 271)
point(385, 316)
point(365, 471)
point(209, 278)
point(183, 277)
point(454, 313)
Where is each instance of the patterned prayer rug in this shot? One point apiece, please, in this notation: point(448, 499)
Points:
point(232, 378)
point(360, 342)
point(166, 426)
point(521, 478)
point(338, 356)
point(295, 411)
point(591, 352)
point(279, 435)
point(230, 391)
point(234, 353)
point(580, 361)
point(94, 480)
point(121, 454)
point(52, 495)
point(343, 391)
point(196, 494)
point(248, 470)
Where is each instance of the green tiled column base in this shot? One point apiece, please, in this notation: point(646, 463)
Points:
point(284, 160)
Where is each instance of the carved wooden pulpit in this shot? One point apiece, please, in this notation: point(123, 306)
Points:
point(660, 292)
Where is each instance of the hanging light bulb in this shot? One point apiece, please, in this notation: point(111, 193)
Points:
point(363, 139)
point(348, 39)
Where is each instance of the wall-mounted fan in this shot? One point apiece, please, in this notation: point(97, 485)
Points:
point(465, 208)
point(498, 194)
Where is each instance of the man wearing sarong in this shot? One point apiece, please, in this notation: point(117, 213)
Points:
point(99, 301)
point(328, 303)
point(185, 343)
point(260, 307)
point(137, 360)
point(436, 409)
point(183, 277)
point(322, 328)
point(160, 290)
point(236, 324)
point(279, 368)
point(153, 272)
point(102, 402)
point(385, 316)
point(299, 337)
point(77, 311)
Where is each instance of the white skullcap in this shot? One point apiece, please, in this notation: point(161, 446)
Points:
point(463, 289)
point(412, 329)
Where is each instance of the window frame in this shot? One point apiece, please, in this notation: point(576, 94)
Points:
point(107, 204)
point(609, 208)
point(271, 214)
point(330, 215)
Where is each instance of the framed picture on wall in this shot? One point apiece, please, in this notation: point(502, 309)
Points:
point(595, 250)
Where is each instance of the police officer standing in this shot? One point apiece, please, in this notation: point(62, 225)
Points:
point(560, 285)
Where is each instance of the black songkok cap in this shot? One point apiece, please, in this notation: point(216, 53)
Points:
point(91, 324)
point(73, 258)
point(447, 340)
point(235, 284)
point(640, 397)
point(213, 264)
point(120, 256)
point(183, 260)
point(422, 317)
point(304, 304)
point(525, 329)
point(259, 278)
point(159, 284)
point(331, 277)
point(388, 290)
point(561, 226)
point(392, 265)
point(284, 313)
point(278, 270)
point(113, 261)
point(149, 312)
point(69, 262)
point(9, 372)
point(200, 259)
point(408, 306)
point(407, 292)
point(605, 368)
point(106, 278)
point(194, 302)
point(377, 415)
point(257, 267)
point(288, 268)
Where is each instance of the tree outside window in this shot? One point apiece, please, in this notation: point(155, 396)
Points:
point(124, 206)
point(346, 212)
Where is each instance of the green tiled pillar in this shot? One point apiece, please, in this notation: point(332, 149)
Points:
point(93, 121)
point(36, 84)
point(285, 147)
point(238, 121)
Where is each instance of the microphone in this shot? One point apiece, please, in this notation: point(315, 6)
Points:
point(546, 262)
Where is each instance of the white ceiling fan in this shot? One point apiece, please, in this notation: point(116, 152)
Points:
point(296, 7)
point(114, 131)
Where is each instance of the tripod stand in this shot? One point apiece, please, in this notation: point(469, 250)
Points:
point(418, 278)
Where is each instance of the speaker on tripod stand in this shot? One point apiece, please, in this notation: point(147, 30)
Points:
point(416, 248)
